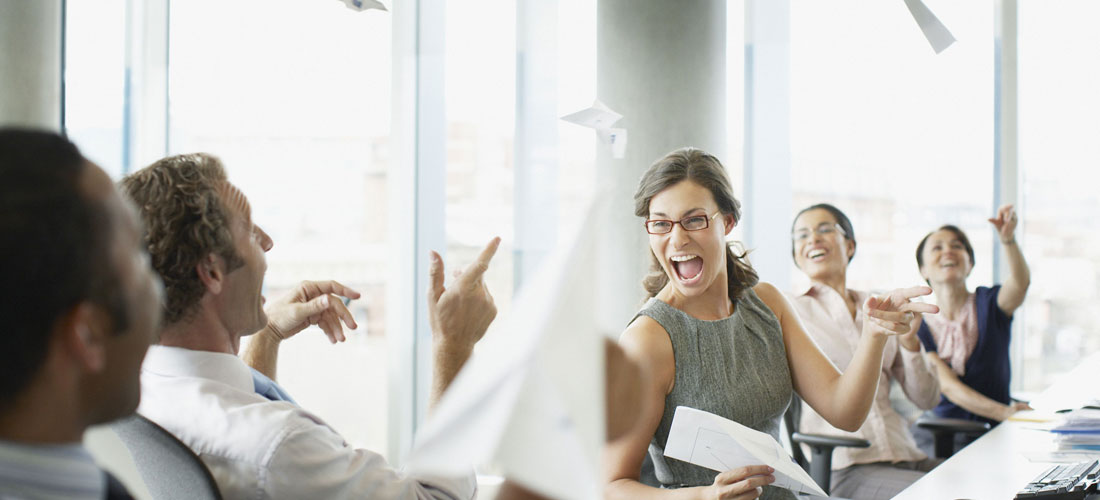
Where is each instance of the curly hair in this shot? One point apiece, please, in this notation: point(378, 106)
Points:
point(705, 170)
point(185, 221)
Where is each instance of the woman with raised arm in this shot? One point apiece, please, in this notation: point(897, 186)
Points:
point(823, 242)
point(968, 340)
point(716, 339)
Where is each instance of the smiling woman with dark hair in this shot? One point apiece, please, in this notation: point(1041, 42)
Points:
point(968, 341)
point(823, 243)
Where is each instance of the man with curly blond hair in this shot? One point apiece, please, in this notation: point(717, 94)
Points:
point(255, 440)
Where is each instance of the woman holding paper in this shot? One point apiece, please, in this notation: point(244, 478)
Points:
point(823, 242)
point(968, 342)
point(716, 339)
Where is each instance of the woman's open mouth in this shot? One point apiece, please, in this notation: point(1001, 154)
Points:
point(688, 268)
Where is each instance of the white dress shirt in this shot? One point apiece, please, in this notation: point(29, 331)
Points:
point(826, 318)
point(262, 449)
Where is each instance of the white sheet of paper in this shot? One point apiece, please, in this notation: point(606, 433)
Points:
point(598, 116)
point(531, 399)
point(720, 444)
point(361, 5)
point(934, 30)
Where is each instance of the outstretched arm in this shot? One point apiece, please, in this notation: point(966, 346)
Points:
point(459, 316)
point(1015, 285)
point(843, 399)
point(969, 399)
point(310, 303)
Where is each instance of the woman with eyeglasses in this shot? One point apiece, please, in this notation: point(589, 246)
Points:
point(823, 242)
point(716, 339)
point(968, 341)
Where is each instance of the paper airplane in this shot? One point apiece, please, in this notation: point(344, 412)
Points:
point(720, 444)
point(930, 25)
point(531, 399)
point(361, 5)
point(600, 118)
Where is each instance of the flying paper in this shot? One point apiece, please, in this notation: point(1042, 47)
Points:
point(930, 25)
point(531, 399)
point(600, 118)
point(361, 5)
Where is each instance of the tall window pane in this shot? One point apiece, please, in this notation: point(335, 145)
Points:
point(95, 80)
point(480, 107)
point(1059, 154)
point(899, 138)
point(294, 97)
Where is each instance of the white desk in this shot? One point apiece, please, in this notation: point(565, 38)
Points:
point(995, 466)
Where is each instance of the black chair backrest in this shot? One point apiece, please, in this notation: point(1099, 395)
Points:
point(790, 419)
point(169, 468)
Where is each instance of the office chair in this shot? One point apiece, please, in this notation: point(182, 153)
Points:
point(820, 466)
point(944, 431)
point(169, 468)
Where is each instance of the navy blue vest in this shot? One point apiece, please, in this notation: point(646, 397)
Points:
point(987, 370)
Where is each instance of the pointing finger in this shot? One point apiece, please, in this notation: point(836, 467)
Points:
point(478, 267)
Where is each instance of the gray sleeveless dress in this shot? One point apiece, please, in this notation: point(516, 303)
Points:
point(734, 367)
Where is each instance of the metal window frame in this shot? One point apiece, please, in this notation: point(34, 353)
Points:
point(416, 185)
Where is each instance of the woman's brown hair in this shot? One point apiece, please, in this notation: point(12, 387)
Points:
point(690, 164)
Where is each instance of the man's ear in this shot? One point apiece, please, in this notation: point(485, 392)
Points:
point(211, 271)
point(850, 248)
point(83, 335)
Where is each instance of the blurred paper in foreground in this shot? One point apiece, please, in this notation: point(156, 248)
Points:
point(531, 399)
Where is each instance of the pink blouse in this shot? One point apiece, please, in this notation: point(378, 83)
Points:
point(955, 339)
point(826, 318)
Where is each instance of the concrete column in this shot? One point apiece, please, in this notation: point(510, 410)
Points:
point(663, 66)
point(30, 63)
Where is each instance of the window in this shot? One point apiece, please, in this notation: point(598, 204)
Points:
point(484, 124)
point(480, 108)
point(735, 105)
point(899, 138)
point(95, 86)
point(1060, 233)
point(297, 106)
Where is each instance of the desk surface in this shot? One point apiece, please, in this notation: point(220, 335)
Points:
point(996, 466)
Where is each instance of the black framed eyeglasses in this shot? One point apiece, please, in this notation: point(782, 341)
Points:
point(823, 229)
point(691, 223)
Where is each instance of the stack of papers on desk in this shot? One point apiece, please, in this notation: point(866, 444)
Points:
point(720, 444)
point(1079, 429)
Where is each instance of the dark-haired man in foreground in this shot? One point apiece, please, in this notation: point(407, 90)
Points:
point(210, 255)
point(79, 303)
